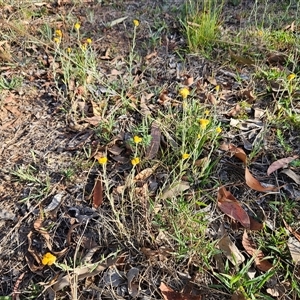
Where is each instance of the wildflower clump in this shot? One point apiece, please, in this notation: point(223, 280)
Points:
point(48, 259)
point(184, 92)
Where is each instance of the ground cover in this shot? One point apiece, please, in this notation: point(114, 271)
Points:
point(149, 150)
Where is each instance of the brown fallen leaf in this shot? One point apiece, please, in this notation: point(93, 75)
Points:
point(133, 286)
point(175, 190)
point(261, 263)
point(291, 230)
point(294, 247)
point(280, 163)
point(229, 205)
point(188, 80)
point(230, 250)
point(98, 193)
point(153, 148)
point(146, 173)
point(151, 55)
point(252, 182)
point(169, 294)
point(292, 175)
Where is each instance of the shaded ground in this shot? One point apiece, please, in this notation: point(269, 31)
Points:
point(49, 139)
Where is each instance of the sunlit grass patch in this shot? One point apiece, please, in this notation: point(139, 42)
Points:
point(201, 24)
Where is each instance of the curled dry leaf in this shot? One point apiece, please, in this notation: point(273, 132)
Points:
point(169, 294)
point(153, 148)
point(175, 190)
point(98, 193)
point(54, 204)
point(259, 258)
point(146, 173)
point(280, 163)
point(133, 286)
point(252, 182)
point(229, 205)
point(294, 247)
point(292, 175)
point(231, 251)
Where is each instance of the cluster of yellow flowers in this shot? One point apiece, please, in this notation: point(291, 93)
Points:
point(136, 139)
point(58, 36)
point(135, 160)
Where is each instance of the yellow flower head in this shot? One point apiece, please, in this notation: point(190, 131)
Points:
point(291, 77)
point(58, 32)
point(77, 26)
point(185, 156)
point(56, 40)
point(207, 112)
point(135, 161)
point(217, 88)
point(137, 139)
point(69, 50)
point(48, 259)
point(218, 129)
point(203, 123)
point(102, 160)
point(184, 92)
point(89, 41)
point(199, 136)
point(136, 23)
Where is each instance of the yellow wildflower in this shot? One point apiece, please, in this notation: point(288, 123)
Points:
point(217, 88)
point(203, 123)
point(207, 112)
point(218, 129)
point(291, 76)
point(185, 156)
point(69, 50)
point(77, 26)
point(48, 259)
point(137, 139)
point(136, 23)
point(56, 40)
point(89, 41)
point(199, 136)
point(135, 161)
point(58, 32)
point(102, 160)
point(184, 92)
